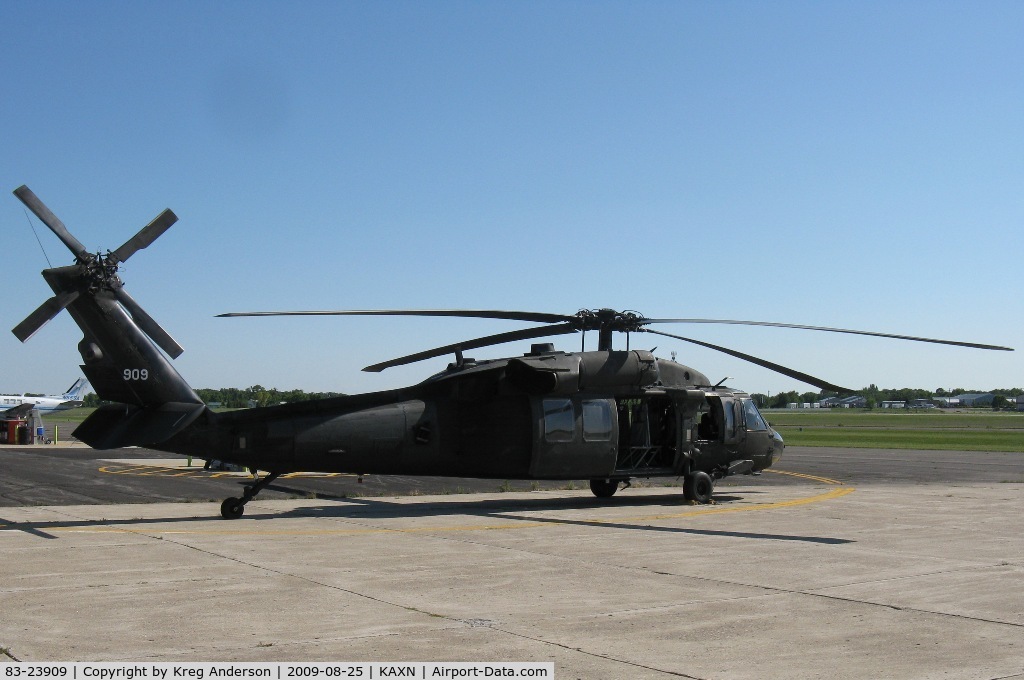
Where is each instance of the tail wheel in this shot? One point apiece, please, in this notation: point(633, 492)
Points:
point(232, 508)
point(604, 488)
point(698, 487)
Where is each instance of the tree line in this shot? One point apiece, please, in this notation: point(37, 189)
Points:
point(874, 396)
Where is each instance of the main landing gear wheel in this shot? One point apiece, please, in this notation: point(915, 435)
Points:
point(604, 488)
point(698, 487)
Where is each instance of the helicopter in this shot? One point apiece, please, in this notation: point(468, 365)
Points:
point(607, 415)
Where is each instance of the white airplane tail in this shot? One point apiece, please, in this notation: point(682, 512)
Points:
point(74, 393)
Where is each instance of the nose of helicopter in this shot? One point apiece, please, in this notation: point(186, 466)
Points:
point(777, 447)
point(765, 457)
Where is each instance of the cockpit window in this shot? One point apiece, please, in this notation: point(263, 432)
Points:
point(729, 410)
point(752, 417)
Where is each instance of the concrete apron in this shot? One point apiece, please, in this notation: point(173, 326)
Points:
point(796, 581)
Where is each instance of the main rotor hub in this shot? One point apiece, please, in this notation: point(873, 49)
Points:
point(607, 321)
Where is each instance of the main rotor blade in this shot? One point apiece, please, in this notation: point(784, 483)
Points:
point(512, 336)
point(33, 203)
point(148, 325)
point(974, 345)
point(778, 368)
point(146, 235)
point(43, 315)
point(539, 317)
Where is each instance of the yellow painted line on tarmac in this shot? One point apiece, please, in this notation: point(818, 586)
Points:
point(133, 470)
point(824, 480)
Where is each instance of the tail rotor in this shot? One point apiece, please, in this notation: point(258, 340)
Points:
point(93, 273)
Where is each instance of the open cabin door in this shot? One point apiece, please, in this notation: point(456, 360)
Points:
point(656, 431)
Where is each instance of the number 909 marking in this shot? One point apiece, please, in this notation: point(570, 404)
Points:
point(136, 374)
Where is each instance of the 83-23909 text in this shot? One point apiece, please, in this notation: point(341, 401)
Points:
point(15, 671)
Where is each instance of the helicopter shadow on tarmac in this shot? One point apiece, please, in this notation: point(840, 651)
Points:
point(497, 509)
point(502, 510)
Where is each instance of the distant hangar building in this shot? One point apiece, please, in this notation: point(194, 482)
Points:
point(854, 401)
point(973, 400)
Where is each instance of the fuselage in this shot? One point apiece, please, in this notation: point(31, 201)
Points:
point(550, 415)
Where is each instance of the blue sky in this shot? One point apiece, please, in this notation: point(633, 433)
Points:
point(850, 164)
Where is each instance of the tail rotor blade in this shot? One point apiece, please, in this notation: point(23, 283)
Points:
point(148, 325)
point(146, 235)
point(40, 210)
point(43, 314)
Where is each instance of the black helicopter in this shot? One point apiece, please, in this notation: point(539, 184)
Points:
point(606, 415)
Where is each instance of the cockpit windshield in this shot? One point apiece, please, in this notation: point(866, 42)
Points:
point(752, 417)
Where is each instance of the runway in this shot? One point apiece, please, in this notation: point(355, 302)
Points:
point(843, 564)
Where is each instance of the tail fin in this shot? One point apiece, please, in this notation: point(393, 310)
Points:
point(74, 393)
point(121, 343)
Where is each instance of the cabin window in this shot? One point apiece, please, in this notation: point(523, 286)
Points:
point(559, 420)
point(752, 417)
point(597, 421)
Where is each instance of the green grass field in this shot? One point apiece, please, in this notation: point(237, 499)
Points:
point(957, 431)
